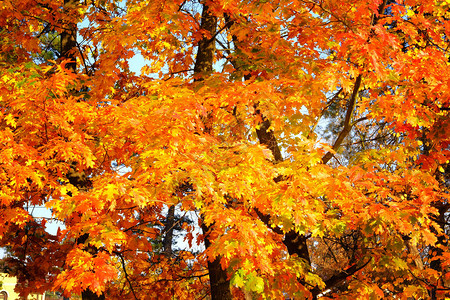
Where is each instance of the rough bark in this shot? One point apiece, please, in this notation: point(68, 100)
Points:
point(218, 279)
point(69, 39)
point(168, 231)
point(206, 46)
point(266, 137)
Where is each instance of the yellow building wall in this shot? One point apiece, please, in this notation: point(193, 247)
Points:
point(8, 284)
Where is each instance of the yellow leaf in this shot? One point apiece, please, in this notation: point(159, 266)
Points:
point(111, 191)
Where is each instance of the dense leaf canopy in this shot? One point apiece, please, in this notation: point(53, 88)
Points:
point(265, 149)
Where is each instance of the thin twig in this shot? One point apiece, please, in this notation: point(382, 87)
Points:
point(126, 274)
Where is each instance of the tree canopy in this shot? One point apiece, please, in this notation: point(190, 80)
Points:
point(265, 149)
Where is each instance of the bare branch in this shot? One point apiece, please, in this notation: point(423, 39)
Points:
point(347, 125)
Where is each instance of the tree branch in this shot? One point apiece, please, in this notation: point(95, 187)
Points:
point(347, 125)
point(335, 279)
point(126, 275)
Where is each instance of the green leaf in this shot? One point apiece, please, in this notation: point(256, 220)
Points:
point(254, 283)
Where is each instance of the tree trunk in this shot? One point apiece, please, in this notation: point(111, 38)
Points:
point(89, 295)
point(294, 242)
point(168, 231)
point(75, 177)
point(437, 250)
point(69, 40)
point(218, 278)
point(206, 46)
point(219, 283)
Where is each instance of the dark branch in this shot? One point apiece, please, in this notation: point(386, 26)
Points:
point(347, 125)
point(126, 275)
point(335, 279)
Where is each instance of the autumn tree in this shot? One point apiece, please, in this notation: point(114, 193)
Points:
point(310, 140)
